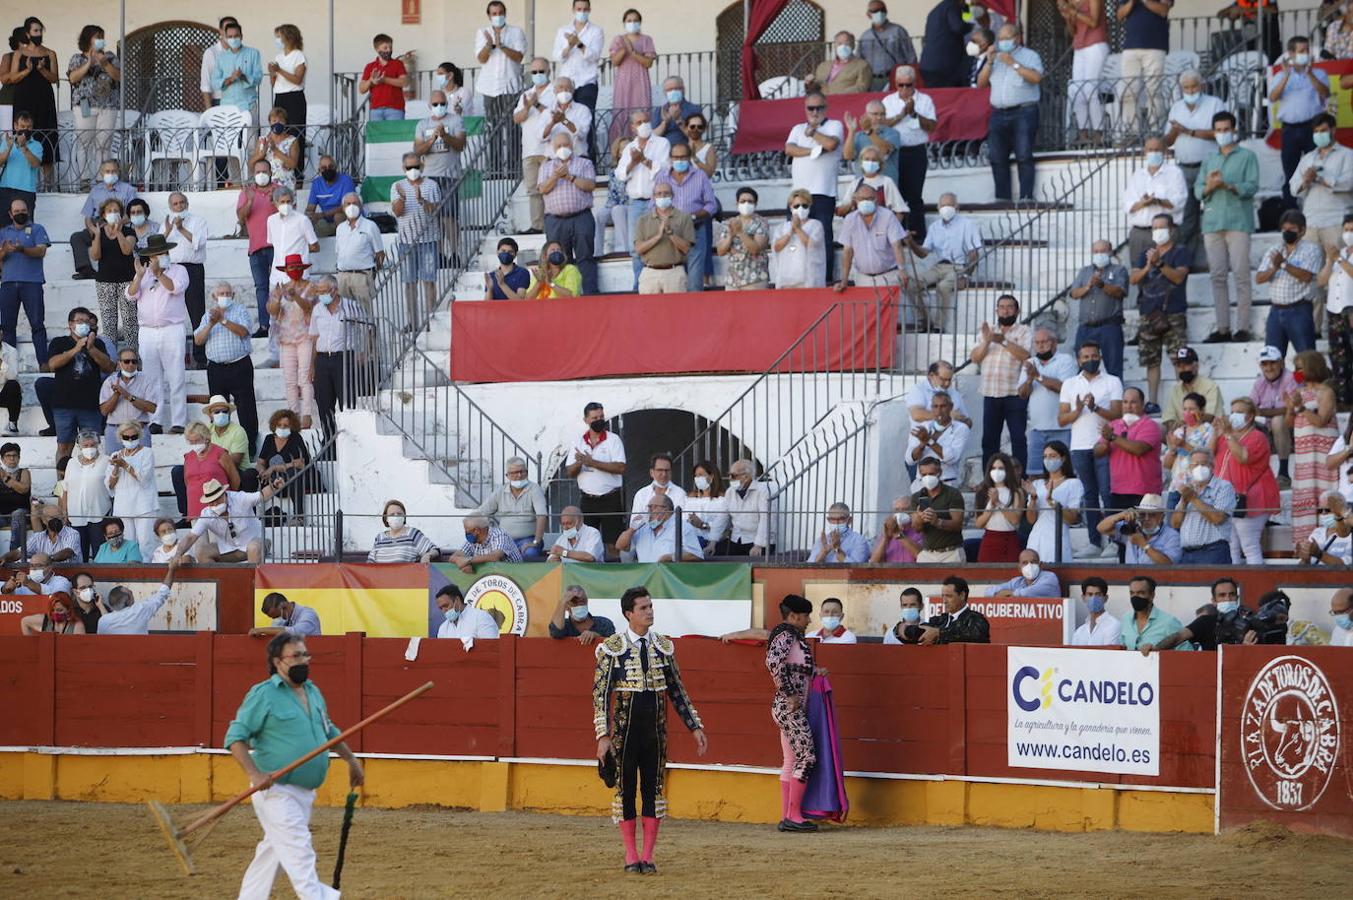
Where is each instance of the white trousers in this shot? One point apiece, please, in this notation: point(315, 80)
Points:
point(284, 812)
point(162, 350)
point(1247, 540)
point(1087, 64)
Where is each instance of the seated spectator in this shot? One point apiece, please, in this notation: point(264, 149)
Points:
point(509, 281)
point(1223, 621)
point(1341, 611)
point(745, 240)
point(871, 167)
point(85, 501)
point(79, 361)
point(289, 616)
point(1242, 454)
point(1057, 486)
point(60, 617)
point(943, 438)
point(748, 502)
point(166, 542)
point(283, 456)
point(567, 183)
point(89, 606)
point(839, 543)
point(484, 544)
point(872, 131)
point(832, 631)
point(800, 254)
point(669, 118)
point(1203, 516)
point(11, 395)
point(1032, 581)
point(51, 536)
point(1331, 542)
point(1100, 629)
point(518, 507)
point(328, 195)
point(939, 516)
point(279, 148)
point(663, 239)
point(131, 481)
point(128, 616)
point(705, 506)
point(110, 187)
point(845, 73)
point(400, 542)
point(616, 211)
point(959, 623)
point(955, 241)
point(898, 541)
point(872, 238)
point(206, 460)
point(1001, 504)
point(16, 492)
point(115, 547)
point(461, 621)
point(1146, 539)
point(908, 629)
point(138, 217)
point(572, 619)
point(554, 276)
point(1132, 445)
point(23, 249)
point(577, 541)
point(655, 540)
point(36, 578)
point(1147, 625)
point(1195, 432)
point(660, 470)
point(229, 528)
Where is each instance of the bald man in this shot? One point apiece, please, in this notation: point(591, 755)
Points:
point(1341, 610)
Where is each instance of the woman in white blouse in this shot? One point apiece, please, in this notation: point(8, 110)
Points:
point(799, 247)
point(287, 72)
point(1058, 484)
point(705, 507)
point(84, 502)
point(131, 478)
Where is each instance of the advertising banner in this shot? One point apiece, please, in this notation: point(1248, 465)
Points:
point(1084, 710)
point(1017, 620)
point(14, 607)
point(381, 600)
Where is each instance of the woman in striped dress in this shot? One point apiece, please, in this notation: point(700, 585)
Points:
point(1311, 409)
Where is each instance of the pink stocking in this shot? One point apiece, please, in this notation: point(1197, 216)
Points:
point(627, 835)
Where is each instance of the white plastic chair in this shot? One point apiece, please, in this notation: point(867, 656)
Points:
point(225, 135)
point(781, 86)
point(171, 139)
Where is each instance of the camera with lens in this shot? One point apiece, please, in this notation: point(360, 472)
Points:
point(1269, 622)
point(1129, 524)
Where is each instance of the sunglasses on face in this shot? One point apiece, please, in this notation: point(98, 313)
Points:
point(695, 128)
point(816, 108)
point(799, 206)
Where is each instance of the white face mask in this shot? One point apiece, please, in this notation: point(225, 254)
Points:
point(563, 153)
point(1200, 474)
point(831, 623)
point(37, 574)
point(262, 178)
point(131, 443)
point(1100, 260)
point(87, 594)
point(800, 212)
point(110, 178)
point(283, 432)
point(396, 521)
point(701, 483)
point(644, 131)
point(518, 484)
point(1160, 235)
point(138, 219)
point(869, 166)
point(89, 452)
point(413, 174)
point(746, 209)
point(947, 213)
point(112, 217)
point(998, 476)
point(1225, 138)
point(353, 210)
point(221, 419)
point(563, 97)
point(930, 482)
point(1130, 419)
point(168, 539)
point(1030, 570)
point(224, 302)
point(973, 49)
point(1237, 420)
point(1347, 238)
point(438, 110)
point(284, 209)
point(220, 508)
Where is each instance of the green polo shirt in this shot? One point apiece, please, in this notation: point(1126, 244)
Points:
point(947, 500)
point(1159, 625)
point(1224, 210)
point(279, 731)
point(233, 440)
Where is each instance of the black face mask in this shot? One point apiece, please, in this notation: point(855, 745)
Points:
point(1187, 377)
point(328, 174)
point(1141, 604)
point(1046, 355)
point(598, 426)
point(54, 524)
point(1091, 366)
point(20, 219)
point(1291, 237)
point(556, 258)
point(35, 40)
point(299, 673)
point(23, 133)
point(277, 127)
point(1006, 321)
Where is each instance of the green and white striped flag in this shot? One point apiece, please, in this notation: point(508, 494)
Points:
point(386, 144)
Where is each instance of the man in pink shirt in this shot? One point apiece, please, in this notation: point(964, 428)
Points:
point(1269, 394)
point(252, 209)
point(1132, 444)
point(157, 287)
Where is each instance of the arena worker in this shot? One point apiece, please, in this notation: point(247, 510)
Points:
point(832, 630)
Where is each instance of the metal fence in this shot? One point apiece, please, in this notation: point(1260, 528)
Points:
point(302, 521)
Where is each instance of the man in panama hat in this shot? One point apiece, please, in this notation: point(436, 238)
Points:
point(158, 288)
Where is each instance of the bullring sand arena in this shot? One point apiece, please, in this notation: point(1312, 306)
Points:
point(66, 850)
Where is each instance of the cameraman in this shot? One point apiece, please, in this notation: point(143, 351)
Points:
point(1231, 623)
point(1143, 533)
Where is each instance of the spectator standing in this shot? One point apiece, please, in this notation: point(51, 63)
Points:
point(224, 333)
point(131, 481)
point(439, 140)
point(1338, 275)
point(1158, 188)
point(898, 541)
point(1314, 429)
point(663, 239)
point(1001, 353)
point(669, 118)
point(1002, 505)
point(1242, 454)
point(127, 615)
point(1058, 486)
point(1323, 184)
point(1301, 92)
point(1269, 395)
point(286, 72)
point(884, 46)
point(632, 55)
point(844, 73)
point(468, 623)
point(1100, 287)
point(939, 516)
point(23, 247)
point(20, 162)
point(748, 502)
point(1162, 275)
point(385, 78)
point(1146, 40)
point(815, 149)
point(1292, 269)
point(187, 234)
point(1203, 516)
point(703, 152)
point(577, 541)
point(638, 166)
point(290, 307)
point(1089, 32)
point(11, 396)
point(597, 460)
point(1014, 75)
point(284, 456)
point(532, 107)
point(518, 507)
point(1100, 629)
point(124, 397)
point(253, 210)
point(110, 187)
point(239, 72)
point(341, 330)
point(114, 250)
point(1339, 35)
point(692, 194)
point(1147, 540)
point(955, 241)
point(872, 239)
point(870, 131)
point(33, 72)
point(400, 542)
point(578, 47)
point(1132, 445)
point(499, 49)
point(1189, 134)
point(1191, 431)
point(93, 73)
point(80, 364)
point(324, 207)
point(913, 114)
point(157, 287)
point(941, 437)
point(744, 241)
point(85, 501)
point(567, 115)
point(944, 61)
point(839, 542)
point(799, 246)
point(1042, 388)
point(567, 182)
point(211, 94)
point(660, 470)
point(1088, 401)
point(1226, 185)
point(414, 201)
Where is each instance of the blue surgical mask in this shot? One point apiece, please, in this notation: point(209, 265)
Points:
point(1321, 138)
point(451, 615)
point(278, 42)
point(1328, 521)
point(537, 78)
point(1192, 98)
point(633, 27)
point(438, 80)
point(82, 329)
point(1006, 45)
point(844, 51)
point(221, 419)
point(831, 623)
point(438, 110)
point(837, 528)
point(1052, 463)
point(675, 96)
point(1155, 159)
point(1100, 260)
point(581, 16)
point(655, 524)
point(911, 615)
point(1229, 606)
point(662, 202)
point(869, 166)
point(568, 534)
point(1225, 138)
point(578, 613)
point(470, 538)
point(868, 207)
point(498, 21)
point(234, 43)
point(1095, 603)
point(283, 432)
point(681, 165)
point(1344, 621)
point(99, 43)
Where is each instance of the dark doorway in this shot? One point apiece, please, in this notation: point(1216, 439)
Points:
point(797, 35)
point(162, 66)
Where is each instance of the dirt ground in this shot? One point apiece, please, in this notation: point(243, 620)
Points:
point(51, 849)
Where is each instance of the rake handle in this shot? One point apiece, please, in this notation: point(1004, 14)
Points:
point(214, 814)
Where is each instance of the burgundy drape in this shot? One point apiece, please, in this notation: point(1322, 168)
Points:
point(759, 17)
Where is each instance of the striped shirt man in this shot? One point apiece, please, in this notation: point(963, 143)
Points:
point(223, 345)
point(498, 539)
point(694, 195)
point(566, 199)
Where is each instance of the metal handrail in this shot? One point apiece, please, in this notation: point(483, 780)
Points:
point(305, 541)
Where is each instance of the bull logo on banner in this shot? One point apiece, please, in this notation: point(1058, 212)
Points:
point(1289, 733)
point(498, 593)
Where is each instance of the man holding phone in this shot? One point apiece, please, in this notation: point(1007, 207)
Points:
point(939, 516)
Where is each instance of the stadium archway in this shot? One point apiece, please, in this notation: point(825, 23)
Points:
point(798, 31)
point(162, 65)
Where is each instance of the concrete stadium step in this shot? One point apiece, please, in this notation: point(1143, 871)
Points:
point(269, 385)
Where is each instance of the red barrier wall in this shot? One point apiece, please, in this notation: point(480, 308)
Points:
point(919, 710)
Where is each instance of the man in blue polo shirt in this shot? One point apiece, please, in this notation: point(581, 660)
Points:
point(1300, 91)
point(23, 244)
point(325, 207)
point(20, 159)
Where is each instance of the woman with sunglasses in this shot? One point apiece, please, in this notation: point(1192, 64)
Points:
point(799, 246)
point(702, 151)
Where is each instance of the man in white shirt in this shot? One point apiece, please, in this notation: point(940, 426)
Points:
point(597, 460)
point(1331, 542)
point(469, 623)
point(1157, 188)
point(1088, 401)
point(939, 377)
point(660, 470)
point(211, 95)
point(748, 503)
point(577, 541)
point(1042, 386)
point(578, 49)
point(1191, 138)
point(38, 578)
point(126, 616)
point(943, 437)
point(815, 150)
point(639, 165)
point(567, 116)
point(832, 631)
point(1323, 185)
point(231, 519)
point(1341, 611)
point(532, 106)
point(289, 231)
point(656, 539)
point(359, 252)
point(499, 50)
point(1101, 629)
point(913, 115)
point(951, 245)
point(189, 233)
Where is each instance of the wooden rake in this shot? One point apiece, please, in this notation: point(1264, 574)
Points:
point(177, 836)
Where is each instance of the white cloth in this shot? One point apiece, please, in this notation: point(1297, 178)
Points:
point(1106, 389)
point(87, 496)
point(532, 129)
point(1341, 285)
point(241, 512)
point(187, 251)
point(638, 177)
point(639, 508)
point(847, 637)
point(576, 113)
point(595, 482)
point(1340, 548)
point(1325, 200)
point(1043, 403)
point(135, 619)
point(1107, 632)
point(1166, 183)
point(294, 234)
point(1191, 151)
point(910, 127)
point(797, 265)
point(473, 623)
point(750, 515)
point(284, 812)
point(817, 174)
point(289, 63)
point(1345, 486)
point(953, 442)
point(713, 511)
point(136, 500)
point(501, 74)
point(588, 541)
point(581, 63)
point(1043, 538)
point(162, 367)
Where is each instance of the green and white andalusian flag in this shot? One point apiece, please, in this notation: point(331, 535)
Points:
point(386, 144)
